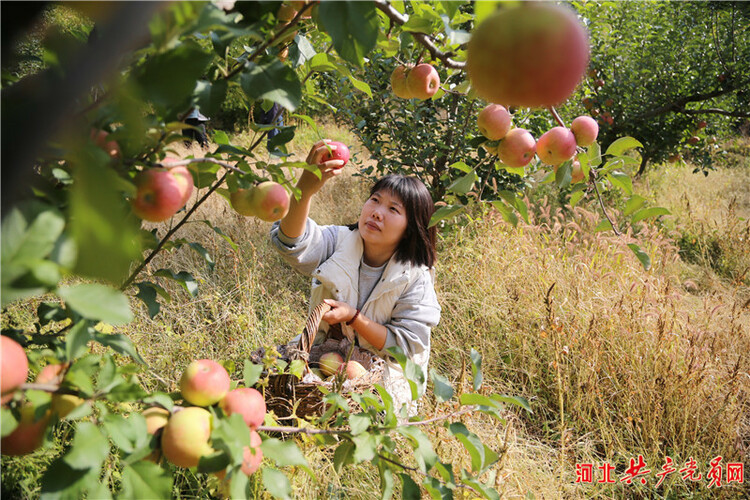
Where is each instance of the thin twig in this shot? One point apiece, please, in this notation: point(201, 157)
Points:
point(188, 161)
point(556, 116)
point(604, 210)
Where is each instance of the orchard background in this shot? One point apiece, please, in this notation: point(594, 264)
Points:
point(584, 321)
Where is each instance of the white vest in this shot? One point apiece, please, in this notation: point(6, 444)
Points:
point(338, 278)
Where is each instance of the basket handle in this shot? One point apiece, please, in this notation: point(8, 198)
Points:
point(311, 327)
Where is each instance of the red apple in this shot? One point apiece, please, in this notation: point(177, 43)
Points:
point(330, 363)
point(252, 455)
point(269, 201)
point(341, 152)
point(587, 103)
point(517, 148)
point(14, 368)
point(204, 382)
point(693, 140)
point(185, 438)
point(100, 139)
point(423, 81)
point(585, 129)
point(159, 194)
point(247, 402)
point(702, 124)
point(398, 82)
point(354, 369)
point(599, 83)
point(286, 13)
point(674, 158)
point(533, 55)
point(556, 145)
point(183, 176)
point(494, 122)
point(28, 436)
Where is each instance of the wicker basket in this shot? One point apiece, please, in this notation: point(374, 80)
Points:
point(287, 394)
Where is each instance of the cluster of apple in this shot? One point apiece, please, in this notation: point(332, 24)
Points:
point(596, 105)
point(29, 434)
point(415, 82)
point(516, 146)
point(332, 363)
point(186, 433)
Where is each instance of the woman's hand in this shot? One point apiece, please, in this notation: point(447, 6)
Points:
point(340, 312)
point(309, 183)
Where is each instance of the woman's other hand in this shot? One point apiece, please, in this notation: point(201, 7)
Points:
point(309, 183)
point(340, 312)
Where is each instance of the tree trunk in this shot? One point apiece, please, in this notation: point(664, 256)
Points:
point(645, 157)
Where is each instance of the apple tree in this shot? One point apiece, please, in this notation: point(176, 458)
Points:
point(90, 144)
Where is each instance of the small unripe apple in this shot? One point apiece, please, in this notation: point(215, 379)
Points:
point(517, 148)
point(423, 81)
point(185, 438)
point(204, 382)
point(340, 152)
point(247, 402)
point(556, 145)
point(330, 363)
point(354, 369)
point(252, 455)
point(494, 122)
point(100, 139)
point(183, 177)
point(241, 202)
point(398, 82)
point(14, 368)
point(533, 55)
point(585, 129)
point(61, 404)
point(159, 194)
point(269, 201)
point(576, 173)
point(28, 436)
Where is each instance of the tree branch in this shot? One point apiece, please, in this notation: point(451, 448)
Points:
point(604, 210)
point(678, 106)
point(423, 39)
point(714, 111)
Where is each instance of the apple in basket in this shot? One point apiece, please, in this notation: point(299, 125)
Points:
point(354, 369)
point(330, 363)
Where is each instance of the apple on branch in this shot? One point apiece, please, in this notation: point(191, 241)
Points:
point(28, 435)
point(494, 122)
point(398, 82)
point(15, 367)
point(185, 438)
point(204, 382)
point(585, 129)
point(556, 145)
point(61, 404)
point(247, 402)
point(160, 193)
point(517, 148)
point(423, 81)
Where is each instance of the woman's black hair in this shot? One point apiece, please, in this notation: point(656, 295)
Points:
point(417, 247)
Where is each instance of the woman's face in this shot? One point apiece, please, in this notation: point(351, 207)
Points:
point(382, 222)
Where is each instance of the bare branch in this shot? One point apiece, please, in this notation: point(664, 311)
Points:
point(715, 111)
point(678, 106)
point(396, 17)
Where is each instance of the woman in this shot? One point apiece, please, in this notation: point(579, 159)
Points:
point(376, 274)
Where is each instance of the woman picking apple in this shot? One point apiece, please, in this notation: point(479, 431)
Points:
point(377, 274)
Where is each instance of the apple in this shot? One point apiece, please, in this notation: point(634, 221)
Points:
point(159, 194)
point(340, 153)
point(204, 382)
point(241, 202)
point(269, 200)
point(556, 145)
point(588, 103)
point(28, 436)
point(183, 176)
point(517, 148)
point(330, 363)
point(533, 55)
point(693, 140)
point(286, 13)
point(247, 402)
point(576, 174)
point(156, 419)
point(494, 122)
point(702, 124)
point(674, 158)
point(61, 404)
point(252, 455)
point(599, 83)
point(423, 81)
point(14, 369)
point(185, 438)
point(354, 369)
point(398, 82)
point(609, 103)
point(585, 129)
point(100, 139)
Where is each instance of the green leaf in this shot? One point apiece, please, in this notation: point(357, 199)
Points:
point(122, 432)
point(147, 294)
point(221, 233)
point(595, 154)
point(343, 456)
point(514, 400)
point(386, 481)
point(353, 27)
point(564, 175)
point(209, 96)
point(145, 480)
point(641, 255)
point(98, 302)
point(119, 343)
point(251, 373)
point(446, 212)
point(621, 180)
point(77, 339)
point(649, 212)
point(423, 451)
point(88, 449)
point(184, 278)
point(8, 422)
point(634, 203)
point(322, 63)
point(409, 489)
point(30, 234)
point(520, 171)
point(361, 86)
point(359, 423)
point(505, 211)
point(482, 10)
point(160, 398)
point(273, 81)
point(61, 481)
point(441, 386)
point(621, 145)
point(365, 447)
point(476, 369)
point(576, 197)
point(283, 453)
point(276, 483)
point(203, 253)
point(472, 444)
point(463, 184)
point(463, 167)
point(604, 225)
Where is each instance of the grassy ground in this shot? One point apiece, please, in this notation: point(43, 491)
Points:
point(616, 361)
